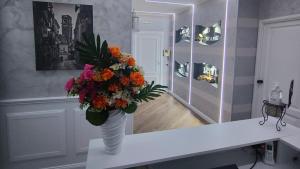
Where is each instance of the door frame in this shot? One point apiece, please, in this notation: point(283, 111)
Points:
point(264, 26)
point(162, 34)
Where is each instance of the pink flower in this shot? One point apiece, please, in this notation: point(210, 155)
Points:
point(69, 84)
point(81, 78)
point(88, 67)
point(82, 95)
point(88, 71)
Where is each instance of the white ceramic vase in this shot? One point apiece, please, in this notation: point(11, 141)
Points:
point(113, 131)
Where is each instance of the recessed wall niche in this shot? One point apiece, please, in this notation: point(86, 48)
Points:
point(206, 72)
point(208, 35)
point(182, 70)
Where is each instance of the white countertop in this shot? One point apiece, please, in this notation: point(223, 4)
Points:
point(149, 148)
point(293, 141)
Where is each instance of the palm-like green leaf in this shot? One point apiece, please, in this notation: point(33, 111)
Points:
point(150, 92)
point(88, 49)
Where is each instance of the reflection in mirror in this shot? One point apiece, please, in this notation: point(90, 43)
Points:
point(182, 70)
point(206, 72)
point(183, 34)
point(208, 35)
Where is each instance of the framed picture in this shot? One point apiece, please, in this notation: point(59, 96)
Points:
point(57, 28)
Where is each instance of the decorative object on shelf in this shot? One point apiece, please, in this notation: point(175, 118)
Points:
point(57, 27)
point(208, 35)
point(206, 72)
point(183, 34)
point(276, 95)
point(182, 70)
point(110, 86)
point(276, 108)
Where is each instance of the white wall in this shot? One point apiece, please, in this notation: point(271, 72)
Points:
point(44, 132)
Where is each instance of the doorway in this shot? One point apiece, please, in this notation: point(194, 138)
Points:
point(147, 48)
point(278, 62)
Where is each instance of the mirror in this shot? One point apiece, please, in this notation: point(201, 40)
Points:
point(182, 70)
point(183, 34)
point(206, 72)
point(208, 35)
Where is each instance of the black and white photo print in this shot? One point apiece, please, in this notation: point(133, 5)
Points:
point(57, 28)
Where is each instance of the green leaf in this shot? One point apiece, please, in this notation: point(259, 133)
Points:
point(95, 117)
point(104, 49)
point(131, 108)
point(90, 51)
point(150, 92)
point(98, 43)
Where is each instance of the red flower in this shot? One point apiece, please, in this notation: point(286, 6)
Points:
point(124, 81)
point(100, 102)
point(120, 103)
point(113, 88)
point(137, 78)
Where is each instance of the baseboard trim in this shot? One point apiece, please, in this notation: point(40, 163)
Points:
point(192, 108)
point(81, 165)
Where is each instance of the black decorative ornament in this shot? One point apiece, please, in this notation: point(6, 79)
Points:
point(269, 109)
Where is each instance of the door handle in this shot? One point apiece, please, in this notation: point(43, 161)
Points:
point(259, 81)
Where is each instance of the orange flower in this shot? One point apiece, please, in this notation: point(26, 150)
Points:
point(120, 103)
point(113, 87)
point(115, 51)
point(100, 102)
point(97, 77)
point(124, 81)
point(131, 61)
point(106, 74)
point(137, 78)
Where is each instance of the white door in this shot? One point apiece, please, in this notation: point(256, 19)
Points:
point(278, 60)
point(147, 48)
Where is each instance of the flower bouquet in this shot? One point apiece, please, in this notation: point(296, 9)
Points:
point(111, 85)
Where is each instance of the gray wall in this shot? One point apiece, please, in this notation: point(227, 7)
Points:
point(277, 8)
point(247, 30)
point(19, 79)
point(250, 12)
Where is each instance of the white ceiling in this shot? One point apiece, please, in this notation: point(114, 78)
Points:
point(143, 5)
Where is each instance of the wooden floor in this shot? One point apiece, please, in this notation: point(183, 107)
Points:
point(164, 113)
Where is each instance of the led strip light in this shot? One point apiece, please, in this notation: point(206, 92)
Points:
point(173, 53)
point(191, 61)
point(224, 63)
